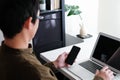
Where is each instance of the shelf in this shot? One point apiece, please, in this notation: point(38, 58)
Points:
point(49, 11)
point(70, 40)
point(52, 34)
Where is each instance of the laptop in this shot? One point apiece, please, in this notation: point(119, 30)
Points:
point(106, 51)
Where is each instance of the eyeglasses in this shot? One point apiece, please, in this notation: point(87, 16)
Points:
point(40, 17)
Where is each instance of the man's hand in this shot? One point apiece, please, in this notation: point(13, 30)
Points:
point(105, 73)
point(60, 61)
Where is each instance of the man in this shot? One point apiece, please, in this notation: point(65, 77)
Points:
point(19, 22)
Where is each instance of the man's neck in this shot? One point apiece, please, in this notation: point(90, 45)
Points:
point(17, 43)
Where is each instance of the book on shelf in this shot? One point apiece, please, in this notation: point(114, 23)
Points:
point(57, 4)
point(52, 4)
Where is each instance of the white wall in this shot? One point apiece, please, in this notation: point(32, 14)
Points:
point(89, 14)
point(109, 17)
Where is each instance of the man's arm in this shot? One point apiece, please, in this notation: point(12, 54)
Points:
point(58, 63)
point(98, 78)
point(51, 66)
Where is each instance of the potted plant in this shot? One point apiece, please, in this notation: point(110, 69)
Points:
point(74, 10)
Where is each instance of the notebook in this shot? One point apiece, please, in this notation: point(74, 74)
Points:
point(106, 51)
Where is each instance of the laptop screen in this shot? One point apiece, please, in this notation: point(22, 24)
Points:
point(106, 46)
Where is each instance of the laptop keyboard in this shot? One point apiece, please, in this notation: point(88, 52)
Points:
point(89, 65)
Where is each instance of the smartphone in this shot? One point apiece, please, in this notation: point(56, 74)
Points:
point(72, 55)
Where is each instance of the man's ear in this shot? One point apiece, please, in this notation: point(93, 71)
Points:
point(27, 23)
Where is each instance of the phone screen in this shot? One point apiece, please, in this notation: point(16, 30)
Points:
point(72, 55)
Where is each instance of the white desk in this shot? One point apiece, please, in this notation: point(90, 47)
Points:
point(86, 49)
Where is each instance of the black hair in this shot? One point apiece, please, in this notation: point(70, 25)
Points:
point(13, 14)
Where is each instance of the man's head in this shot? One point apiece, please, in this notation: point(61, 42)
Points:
point(14, 13)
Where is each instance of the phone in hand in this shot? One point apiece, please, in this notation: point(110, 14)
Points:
point(72, 55)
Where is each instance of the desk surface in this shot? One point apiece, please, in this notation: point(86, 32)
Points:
point(86, 49)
